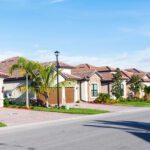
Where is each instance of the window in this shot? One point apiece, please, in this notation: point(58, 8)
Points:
point(94, 90)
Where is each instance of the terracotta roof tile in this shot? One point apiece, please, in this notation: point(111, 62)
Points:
point(84, 74)
point(70, 76)
point(62, 65)
point(105, 69)
point(6, 64)
point(134, 70)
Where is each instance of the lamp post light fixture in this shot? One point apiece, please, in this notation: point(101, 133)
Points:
point(57, 70)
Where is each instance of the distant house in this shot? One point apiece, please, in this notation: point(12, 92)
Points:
point(145, 77)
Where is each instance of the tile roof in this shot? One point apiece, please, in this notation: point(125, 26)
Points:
point(127, 74)
point(105, 69)
point(134, 70)
point(108, 76)
point(70, 76)
point(61, 64)
point(4, 75)
point(143, 76)
point(93, 68)
point(86, 74)
point(6, 64)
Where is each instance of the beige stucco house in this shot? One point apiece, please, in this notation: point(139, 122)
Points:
point(2, 77)
point(145, 78)
point(85, 82)
point(105, 74)
point(89, 85)
point(68, 94)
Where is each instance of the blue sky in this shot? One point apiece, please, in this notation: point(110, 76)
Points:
point(110, 32)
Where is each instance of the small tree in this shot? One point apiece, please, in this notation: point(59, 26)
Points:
point(147, 92)
point(135, 84)
point(117, 89)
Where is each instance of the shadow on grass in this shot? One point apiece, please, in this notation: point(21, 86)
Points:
point(138, 129)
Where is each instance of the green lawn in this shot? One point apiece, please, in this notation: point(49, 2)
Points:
point(2, 124)
point(71, 110)
point(135, 103)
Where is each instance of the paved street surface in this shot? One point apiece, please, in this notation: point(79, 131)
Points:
point(116, 131)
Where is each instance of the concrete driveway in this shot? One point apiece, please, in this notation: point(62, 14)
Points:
point(13, 117)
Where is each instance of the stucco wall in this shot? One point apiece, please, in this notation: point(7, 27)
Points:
point(105, 88)
point(15, 93)
point(1, 93)
point(84, 90)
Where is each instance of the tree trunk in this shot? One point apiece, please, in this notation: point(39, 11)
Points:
point(47, 103)
point(35, 95)
point(27, 91)
point(46, 98)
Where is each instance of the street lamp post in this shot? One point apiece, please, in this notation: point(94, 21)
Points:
point(57, 69)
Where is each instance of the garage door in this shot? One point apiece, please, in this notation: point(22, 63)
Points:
point(69, 95)
point(52, 96)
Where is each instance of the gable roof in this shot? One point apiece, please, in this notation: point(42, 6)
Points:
point(6, 64)
point(86, 74)
point(108, 76)
point(144, 76)
point(105, 69)
point(61, 64)
point(134, 70)
point(3, 75)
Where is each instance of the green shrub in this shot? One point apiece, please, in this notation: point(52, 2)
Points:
point(112, 101)
point(102, 98)
point(6, 102)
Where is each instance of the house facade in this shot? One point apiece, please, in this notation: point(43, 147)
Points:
point(89, 85)
point(2, 77)
point(68, 94)
point(85, 82)
point(105, 81)
point(144, 76)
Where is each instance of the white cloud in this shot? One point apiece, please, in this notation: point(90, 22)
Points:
point(4, 54)
point(139, 59)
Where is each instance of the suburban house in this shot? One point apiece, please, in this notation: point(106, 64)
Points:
point(105, 74)
point(89, 84)
point(85, 82)
point(2, 77)
point(145, 77)
point(68, 94)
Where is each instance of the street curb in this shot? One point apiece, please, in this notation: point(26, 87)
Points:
point(85, 117)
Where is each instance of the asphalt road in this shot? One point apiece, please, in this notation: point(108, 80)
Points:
point(127, 131)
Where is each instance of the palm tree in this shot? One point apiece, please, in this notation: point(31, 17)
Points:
point(28, 69)
point(44, 80)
